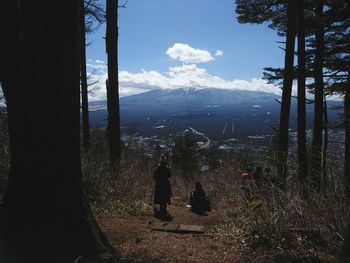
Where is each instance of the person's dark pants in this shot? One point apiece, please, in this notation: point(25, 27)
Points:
point(201, 205)
point(162, 209)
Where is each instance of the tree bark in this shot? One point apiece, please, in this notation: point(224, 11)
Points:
point(83, 81)
point(45, 217)
point(286, 93)
point(113, 84)
point(347, 140)
point(344, 255)
point(301, 122)
point(325, 144)
point(316, 164)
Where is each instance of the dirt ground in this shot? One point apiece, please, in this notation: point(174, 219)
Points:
point(133, 238)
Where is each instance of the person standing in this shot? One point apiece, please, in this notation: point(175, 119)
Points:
point(248, 185)
point(162, 190)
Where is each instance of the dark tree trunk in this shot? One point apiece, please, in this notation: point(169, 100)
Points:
point(45, 216)
point(302, 169)
point(316, 163)
point(112, 84)
point(325, 144)
point(347, 140)
point(344, 255)
point(286, 93)
point(83, 82)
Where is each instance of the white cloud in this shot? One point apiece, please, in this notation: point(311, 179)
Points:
point(219, 53)
point(190, 75)
point(99, 61)
point(96, 66)
point(184, 76)
point(99, 88)
point(188, 54)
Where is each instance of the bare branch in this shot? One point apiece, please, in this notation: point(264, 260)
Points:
point(273, 128)
point(91, 74)
point(89, 3)
point(91, 91)
point(93, 83)
point(123, 5)
point(98, 18)
point(307, 101)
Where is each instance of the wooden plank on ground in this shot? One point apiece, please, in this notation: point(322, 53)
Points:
point(165, 227)
point(178, 228)
point(191, 229)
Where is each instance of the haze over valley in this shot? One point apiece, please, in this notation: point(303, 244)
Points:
point(214, 117)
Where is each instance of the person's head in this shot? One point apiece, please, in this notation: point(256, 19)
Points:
point(198, 186)
point(162, 160)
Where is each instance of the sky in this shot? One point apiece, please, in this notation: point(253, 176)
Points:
point(168, 44)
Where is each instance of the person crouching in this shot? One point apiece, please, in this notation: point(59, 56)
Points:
point(198, 200)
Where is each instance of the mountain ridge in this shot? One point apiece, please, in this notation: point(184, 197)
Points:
point(210, 110)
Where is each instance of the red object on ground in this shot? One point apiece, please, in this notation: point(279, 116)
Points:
point(248, 180)
point(245, 176)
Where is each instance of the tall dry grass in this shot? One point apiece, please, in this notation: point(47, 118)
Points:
point(272, 219)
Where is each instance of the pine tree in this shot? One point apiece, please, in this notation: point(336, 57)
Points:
point(316, 162)
point(112, 84)
point(45, 217)
point(301, 120)
point(83, 80)
point(185, 156)
point(282, 15)
point(286, 92)
point(94, 13)
point(337, 61)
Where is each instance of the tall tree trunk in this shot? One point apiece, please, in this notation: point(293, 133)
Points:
point(344, 255)
point(302, 169)
point(45, 217)
point(325, 144)
point(113, 84)
point(316, 164)
point(83, 81)
point(347, 140)
point(286, 93)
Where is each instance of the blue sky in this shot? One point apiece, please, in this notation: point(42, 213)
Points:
point(184, 43)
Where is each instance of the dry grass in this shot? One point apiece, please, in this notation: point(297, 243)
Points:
point(282, 221)
point(272, 222)
point(112, 189)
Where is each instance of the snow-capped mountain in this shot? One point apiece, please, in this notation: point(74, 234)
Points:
point(219, 113)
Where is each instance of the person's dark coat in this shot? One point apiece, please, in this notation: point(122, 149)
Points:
point(198, 200)
point(162, 191)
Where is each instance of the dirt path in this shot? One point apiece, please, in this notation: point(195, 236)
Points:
point(133, 238)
